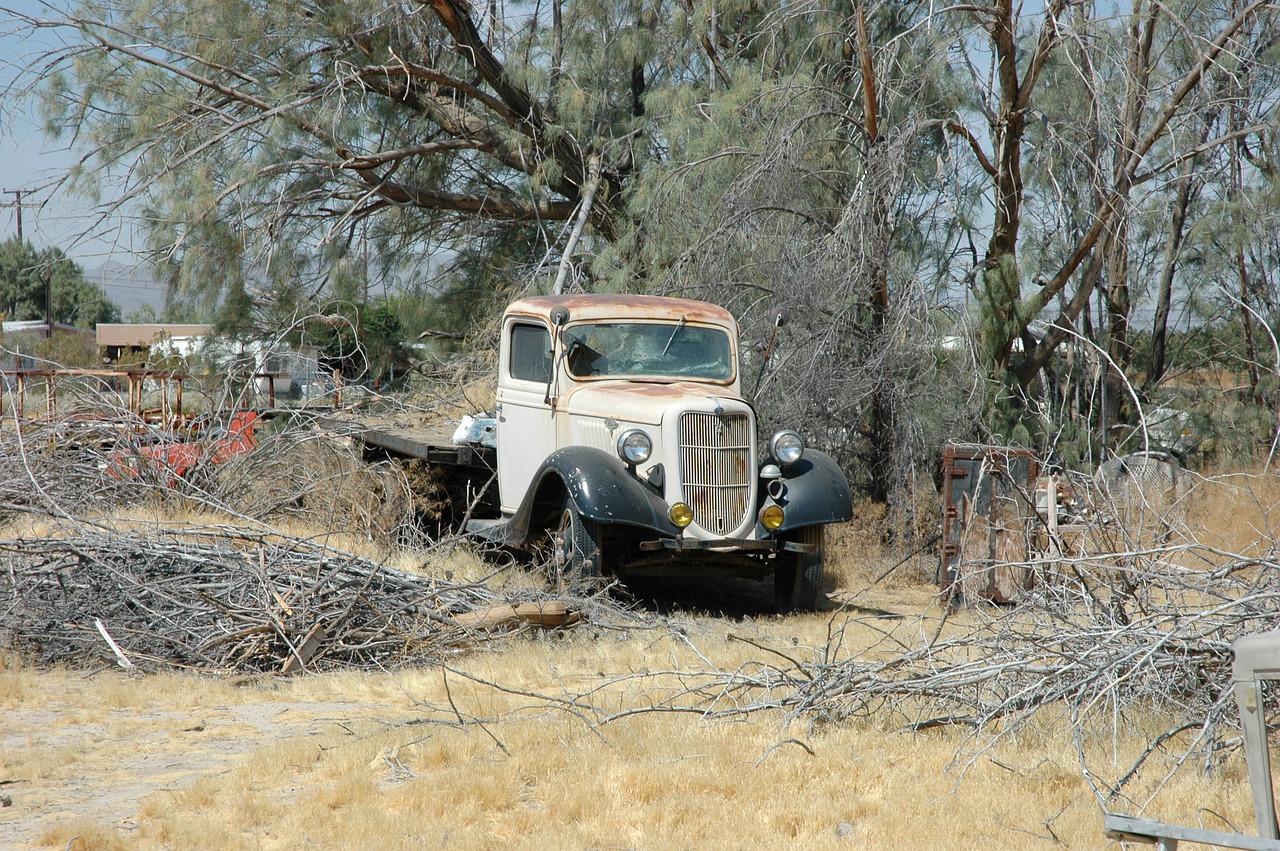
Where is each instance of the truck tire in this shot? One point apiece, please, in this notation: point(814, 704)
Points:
point(576, 548)
point(797, 577)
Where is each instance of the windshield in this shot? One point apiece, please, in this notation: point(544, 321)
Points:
point(648, 349)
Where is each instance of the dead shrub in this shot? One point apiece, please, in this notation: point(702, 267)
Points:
point(321, 481)
point(886, 545)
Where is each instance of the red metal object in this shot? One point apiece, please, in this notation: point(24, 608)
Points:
point(176, 459)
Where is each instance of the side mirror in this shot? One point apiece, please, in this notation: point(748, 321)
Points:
point(779, 316)
point(559, 316)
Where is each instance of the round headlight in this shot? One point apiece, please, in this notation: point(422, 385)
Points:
point(681, 514)
point(786, 447)
point(771, 517)
point(634, 446)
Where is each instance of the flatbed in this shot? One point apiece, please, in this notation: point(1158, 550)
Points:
point(459, 481)
point(407, 436)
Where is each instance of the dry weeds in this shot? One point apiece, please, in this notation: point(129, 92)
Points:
point(460, 759)
point(885, 723)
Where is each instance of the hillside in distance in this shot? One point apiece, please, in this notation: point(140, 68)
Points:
point(129, 285)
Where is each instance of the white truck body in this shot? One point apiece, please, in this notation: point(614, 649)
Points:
point(622, 430)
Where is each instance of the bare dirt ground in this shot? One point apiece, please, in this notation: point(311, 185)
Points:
point(151, 751)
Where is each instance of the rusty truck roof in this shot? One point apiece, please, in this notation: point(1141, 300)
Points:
point(615, 306)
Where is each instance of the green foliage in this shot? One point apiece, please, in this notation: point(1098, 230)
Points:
point(353, 160)
point(234, 127)
point(471, 291)
point(25, 276)
point(144, 314)
point(1231, 430)
point(365, 342)
point(71, 350)
point(771, 196)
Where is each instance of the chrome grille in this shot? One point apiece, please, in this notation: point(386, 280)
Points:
point(715, 466)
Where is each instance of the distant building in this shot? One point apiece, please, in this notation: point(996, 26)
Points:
point(277, 374)
point(37, 328)
point(116, 341)
point(17, 334)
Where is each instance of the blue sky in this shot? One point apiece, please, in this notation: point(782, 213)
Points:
point(30, 161)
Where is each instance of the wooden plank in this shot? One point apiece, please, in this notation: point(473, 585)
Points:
point(115, 648)
point(311, 642)
point(547, 613)
point(412, 445)
point(1154, 832)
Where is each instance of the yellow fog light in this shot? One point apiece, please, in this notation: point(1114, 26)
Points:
point(681, 514)
point(771, 517)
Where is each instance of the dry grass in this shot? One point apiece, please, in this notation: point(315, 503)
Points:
point(486, 754)
point(385, 760)
point(1235, 512)
point(318, 482)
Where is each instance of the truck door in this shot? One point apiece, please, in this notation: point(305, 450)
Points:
point(526, 424)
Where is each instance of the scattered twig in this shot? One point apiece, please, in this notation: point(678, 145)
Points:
point(115, 648)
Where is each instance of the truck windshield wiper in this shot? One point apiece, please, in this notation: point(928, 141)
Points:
point(672, 338)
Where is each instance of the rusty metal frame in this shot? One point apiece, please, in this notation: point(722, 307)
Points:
point(135, 377)
point(962, 464)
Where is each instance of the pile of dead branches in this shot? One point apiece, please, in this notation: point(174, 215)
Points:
point(1097, 643)
point(67, 466)
point(297, 472)
point(235, 600)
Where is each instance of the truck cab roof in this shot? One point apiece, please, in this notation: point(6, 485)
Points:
point(588, 307)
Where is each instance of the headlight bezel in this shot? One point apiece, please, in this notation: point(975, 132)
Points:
point(626, 448)
point(786, 447)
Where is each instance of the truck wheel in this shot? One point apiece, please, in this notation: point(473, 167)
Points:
point(576, 548)
point(797, 578)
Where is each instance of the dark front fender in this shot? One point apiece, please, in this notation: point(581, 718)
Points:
point(600, 486)
point(817, 492)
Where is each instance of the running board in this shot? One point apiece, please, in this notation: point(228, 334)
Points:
point(492, 531)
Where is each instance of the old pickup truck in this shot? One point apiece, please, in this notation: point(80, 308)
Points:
point(623, 439)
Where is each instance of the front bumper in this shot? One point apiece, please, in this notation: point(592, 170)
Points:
point(725, 545)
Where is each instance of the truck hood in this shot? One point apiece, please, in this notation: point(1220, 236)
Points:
point(645, 402)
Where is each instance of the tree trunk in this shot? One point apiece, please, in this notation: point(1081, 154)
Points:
point(883, 427)
point(1116, 248)
point(1246, 320)
point(1112, 198)
point(1169, 267)
point(1002, 319)
point(1242, 268)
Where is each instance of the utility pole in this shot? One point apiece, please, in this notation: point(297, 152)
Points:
point(48, 300)
point(17, 204)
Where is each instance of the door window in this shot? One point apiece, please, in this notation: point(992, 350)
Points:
point(530, 353)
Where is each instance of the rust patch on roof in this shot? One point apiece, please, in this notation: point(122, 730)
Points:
point(620, 306)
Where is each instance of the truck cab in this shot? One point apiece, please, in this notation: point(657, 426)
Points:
point(623, 436)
